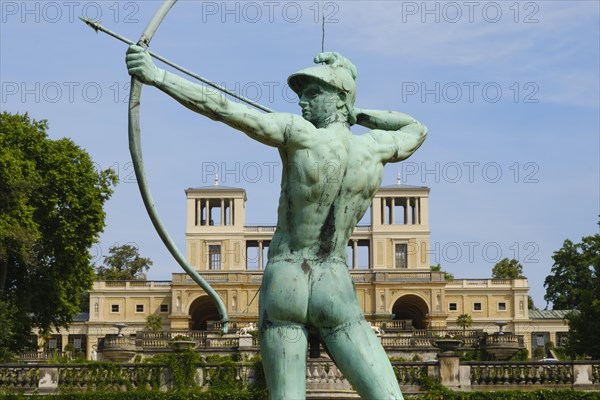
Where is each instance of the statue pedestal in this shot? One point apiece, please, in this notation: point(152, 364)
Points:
point(449, 365)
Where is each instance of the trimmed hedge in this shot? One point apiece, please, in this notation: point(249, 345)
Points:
point(514, 395)
point(220, 394)
point(213, 394)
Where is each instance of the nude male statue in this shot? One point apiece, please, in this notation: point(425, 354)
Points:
point(329, 178)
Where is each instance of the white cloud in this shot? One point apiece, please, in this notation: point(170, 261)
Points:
point(559, 51)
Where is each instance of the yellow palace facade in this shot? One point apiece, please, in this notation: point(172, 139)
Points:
point(388, 259)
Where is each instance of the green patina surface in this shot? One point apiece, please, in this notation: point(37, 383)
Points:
point(328, 180)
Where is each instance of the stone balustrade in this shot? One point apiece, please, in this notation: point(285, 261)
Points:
point(118, 341)
point(572, 374)
point(40, 356)
point(19, 378)
point(160, 339)
point(393, 337)
point(131, 285)
point(322, 376)
point(488, 283)
point(234, 326)
point(259, 228)
point(507, 338)
point(271, 228)
point(366, 275)
point(220, 342)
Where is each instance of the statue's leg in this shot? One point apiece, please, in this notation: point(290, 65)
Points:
point(357, 352)
point(353, 345)
point(283, 336)
point(283, 350)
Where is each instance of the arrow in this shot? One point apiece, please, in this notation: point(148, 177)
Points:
point(95, 25)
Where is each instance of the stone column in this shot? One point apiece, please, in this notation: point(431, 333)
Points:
point(392, 211)
point(222, 212)
point(417, 219)
point(230, 211)
point(406, 205)
point(207, 206)
point(89, 346)
point(65, 342)
point(200, 215)
point(203, 212)
point(354, 254)
point(260, 254)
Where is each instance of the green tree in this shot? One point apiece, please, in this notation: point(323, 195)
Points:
point(572, 273)
point(124, 263)
point(584, 327)
point(531, 303)
point(507, 269)
point(438, 268)
point(464, 321)
point(51, 212)
point(153, 323)
point(575, 284)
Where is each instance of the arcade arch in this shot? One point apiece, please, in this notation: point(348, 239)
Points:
point(411, 307)
point(202, 309)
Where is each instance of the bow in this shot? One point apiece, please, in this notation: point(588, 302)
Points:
point(135, 149)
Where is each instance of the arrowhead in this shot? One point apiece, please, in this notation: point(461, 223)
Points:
point(90, 23)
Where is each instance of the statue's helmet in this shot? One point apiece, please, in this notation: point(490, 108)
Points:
point(338, 76)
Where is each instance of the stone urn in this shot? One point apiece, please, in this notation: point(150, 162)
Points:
point(501, 345)
point(447, 345)
point(119, 348)
point(181, 343)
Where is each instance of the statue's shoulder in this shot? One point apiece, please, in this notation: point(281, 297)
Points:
point(295, 129)
point(363, 146)
point(364, 139)
point(290, 118)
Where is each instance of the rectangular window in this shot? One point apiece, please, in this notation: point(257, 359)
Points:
point(452, 307)
point(562, 339)
point(540, 340)
point(139, 308)
point(502, 306)
point(400, 255)
point(54, 343)
point(114, 308)
point(164, 308)
point(476, 306)
point(214, 256)
point(78, 343)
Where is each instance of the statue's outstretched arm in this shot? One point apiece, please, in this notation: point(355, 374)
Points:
point(266, 128)
point(396, 135)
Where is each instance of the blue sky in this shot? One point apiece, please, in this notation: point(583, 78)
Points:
point(509, 91)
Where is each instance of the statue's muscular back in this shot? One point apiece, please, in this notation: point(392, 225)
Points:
point(327, 185)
